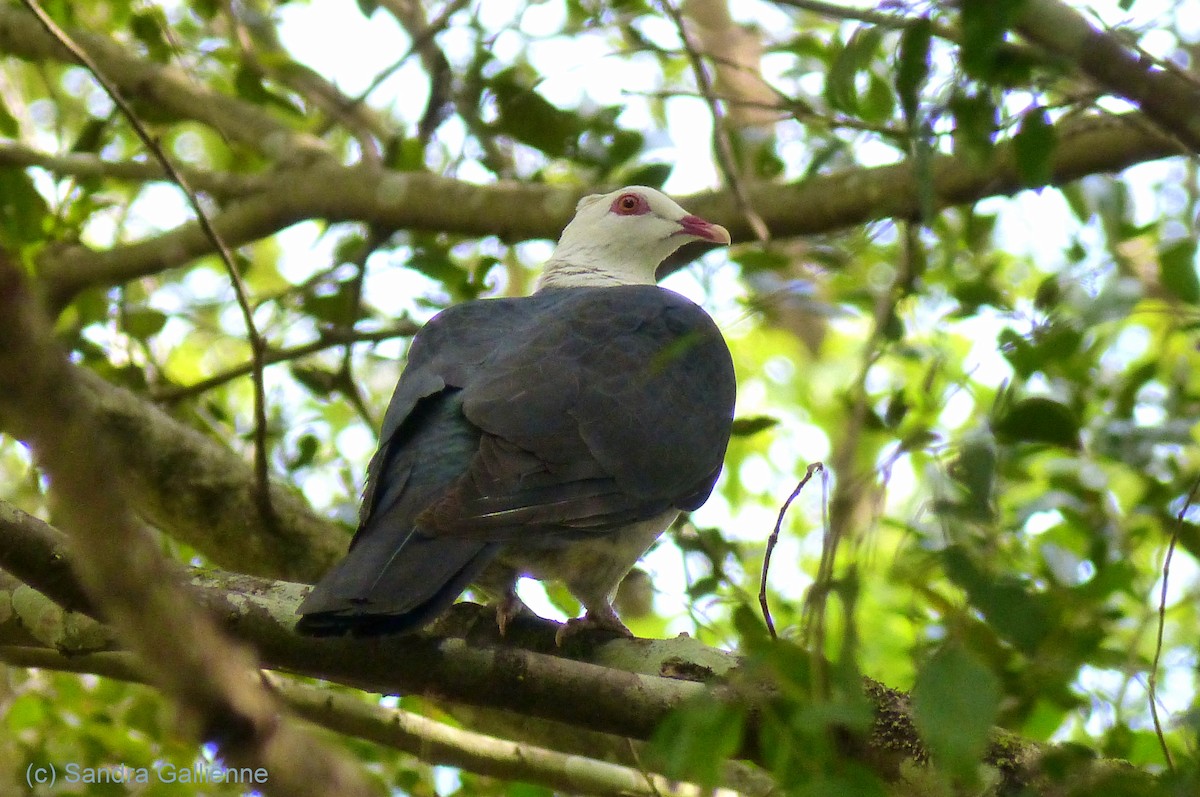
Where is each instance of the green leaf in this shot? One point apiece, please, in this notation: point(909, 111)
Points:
point(974, 469)
point(955, 700)
point(1033, 147)
point(26, 711)
point(766, 161)
point(651, 174)
point(319, 381)
point(147, 27)
point(1038, 420)
point(912, 67)
point(142, 323)
point(1048, 295)
point(22, 210)
point(306, 452)
point(984, 25)
point(694, 741)
point(405, 154)
point(8, 123)
point(1177, 270)
point(897, 408)
point(879, 102)
point(91, 136)
point(745, 427)
point(334, 304)
point(250, 87)
point(752, 260)
point(841, 84)
point(974, 123)
point(1049, 349)
point(530, 118)
point(707, 585)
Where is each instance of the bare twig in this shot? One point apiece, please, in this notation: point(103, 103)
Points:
point(257, 344)
point(1152, 681)
point(256, 30)
point(880, 18)
point(327, 340)
point(796, 109)
point(421, 35)
point(721, 143)
point(774, 539)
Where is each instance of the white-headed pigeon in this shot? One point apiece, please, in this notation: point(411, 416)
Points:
point(553, 436)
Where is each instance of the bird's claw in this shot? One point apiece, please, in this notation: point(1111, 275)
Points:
point(507, 608)
point(604, 620)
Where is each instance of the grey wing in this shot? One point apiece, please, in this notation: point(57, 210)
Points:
point(395, 578)
point(616, 408)
point(442, 355)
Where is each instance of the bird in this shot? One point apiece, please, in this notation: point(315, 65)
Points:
point(553, 436)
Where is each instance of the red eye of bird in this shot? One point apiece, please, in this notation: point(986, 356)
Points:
point(630, 205)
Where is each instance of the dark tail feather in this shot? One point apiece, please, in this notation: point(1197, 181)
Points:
point(392, 589)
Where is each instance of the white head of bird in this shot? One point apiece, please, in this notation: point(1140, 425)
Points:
point(621, 237)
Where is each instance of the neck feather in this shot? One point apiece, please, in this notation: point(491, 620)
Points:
point(565, 271)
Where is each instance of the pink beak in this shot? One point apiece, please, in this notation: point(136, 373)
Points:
point(704, 230)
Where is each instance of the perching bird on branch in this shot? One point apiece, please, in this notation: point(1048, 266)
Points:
point(554, 436)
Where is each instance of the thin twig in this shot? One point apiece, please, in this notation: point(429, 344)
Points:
point(255, 31)
point(641, 768)
point(882, 19)
point(774, 539)
point(327, 340)
point(417, 43)
point(78, 164)
point(376, 237)
point(257, 344)
point(795, 109)
point(1152, 682)
point(721, 142)
point(812, 616)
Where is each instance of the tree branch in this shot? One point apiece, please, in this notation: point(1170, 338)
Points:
point(74, 164)
point(262, 48)
point(327, 339)
point(165, 87)
point(121, 570)
point(631, 683)
point(1167, 96)
point(514, 212)
point(262, 477)
point(36, 553)
point(722, 146)
point(426, 739)
point(199, 491)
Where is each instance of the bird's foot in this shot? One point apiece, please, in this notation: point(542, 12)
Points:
point(605, 619)
point(507, 608)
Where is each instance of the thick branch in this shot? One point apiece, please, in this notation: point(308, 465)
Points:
point(36, 553)
point(199, 491)
point(430, 741)
point(136, 590)
point(627, 693)
point(420, 201)
point(1167, 96)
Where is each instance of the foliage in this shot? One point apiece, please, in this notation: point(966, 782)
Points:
point(1007, 391)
